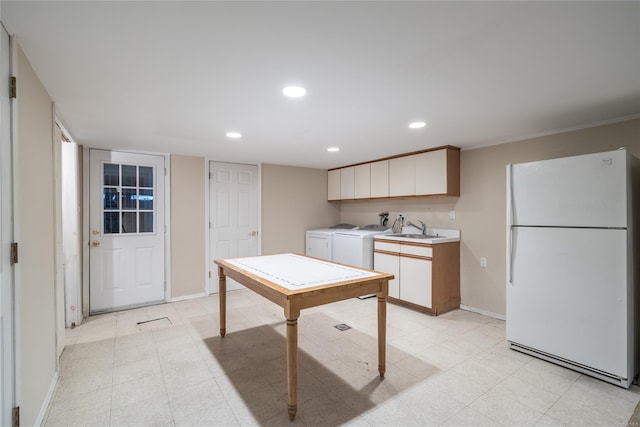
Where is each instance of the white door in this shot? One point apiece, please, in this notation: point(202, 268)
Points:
point(579, 191)
point(7, 393)
point(233, 215)
point(568, 295)
point(126, 215)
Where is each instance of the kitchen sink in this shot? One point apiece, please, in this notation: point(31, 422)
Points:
point(415, 236)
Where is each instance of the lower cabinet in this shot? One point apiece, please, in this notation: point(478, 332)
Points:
point(416, 281)
point(427, 277)
point(388, 264)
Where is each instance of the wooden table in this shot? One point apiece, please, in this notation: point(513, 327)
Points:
point(296, 282)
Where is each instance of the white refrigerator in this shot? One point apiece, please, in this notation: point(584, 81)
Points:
point(571, 279)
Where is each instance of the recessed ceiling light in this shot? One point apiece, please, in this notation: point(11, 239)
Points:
point(294, 91)
point(417, 125)
point(235, 135)
point(333, 149)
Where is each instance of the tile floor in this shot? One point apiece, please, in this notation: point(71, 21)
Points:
point(452, 370)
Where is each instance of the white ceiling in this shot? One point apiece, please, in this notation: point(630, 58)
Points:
point(174, 76)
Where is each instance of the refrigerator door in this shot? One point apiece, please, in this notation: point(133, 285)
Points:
point(580, 191)
point(568, 297)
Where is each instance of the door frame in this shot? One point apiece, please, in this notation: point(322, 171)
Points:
point(207, 162)
point(86, 232)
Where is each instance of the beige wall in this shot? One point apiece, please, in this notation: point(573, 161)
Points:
point(35, 278)
point(481, 207)
point(294, 200)
point(188, 232)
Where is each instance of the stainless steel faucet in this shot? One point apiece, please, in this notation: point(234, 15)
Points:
point(423, 227)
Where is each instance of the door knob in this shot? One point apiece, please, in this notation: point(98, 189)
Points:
point(95, 243)
point(253, 234)
point(95, 232)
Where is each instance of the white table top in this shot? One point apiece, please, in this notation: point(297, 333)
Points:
point(296, 272)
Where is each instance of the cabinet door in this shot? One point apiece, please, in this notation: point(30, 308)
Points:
point(347, 178)
point(380, 179)
point(431, 172)
point(362, 179)
point(333, 185)
point(415, 283)
point(402, 176)
point(390, 264)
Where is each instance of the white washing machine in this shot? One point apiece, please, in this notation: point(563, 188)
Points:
point(319, 240)
point(355, 247)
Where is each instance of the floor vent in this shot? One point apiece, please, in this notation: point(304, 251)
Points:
point(342, 327)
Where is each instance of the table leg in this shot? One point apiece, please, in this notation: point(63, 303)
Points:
point(292, 367)
point(382, 334)
point(222, 295)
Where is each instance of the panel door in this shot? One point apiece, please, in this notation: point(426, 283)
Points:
point(233, 215)
point(127, 228)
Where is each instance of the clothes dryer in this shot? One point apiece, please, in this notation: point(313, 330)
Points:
point(319, 240)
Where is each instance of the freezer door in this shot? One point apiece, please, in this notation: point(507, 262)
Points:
point(568, 296)
point(580, 191)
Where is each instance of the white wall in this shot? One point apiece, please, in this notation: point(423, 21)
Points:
point(188, 232)
point(293, 200)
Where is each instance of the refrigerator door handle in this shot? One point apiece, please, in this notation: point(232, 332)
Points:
point(510, 246)
point(510, 221)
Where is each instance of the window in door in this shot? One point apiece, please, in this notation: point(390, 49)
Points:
point(127, 194)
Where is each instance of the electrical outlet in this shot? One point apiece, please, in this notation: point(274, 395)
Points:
point(452, 214)
point(483, 262)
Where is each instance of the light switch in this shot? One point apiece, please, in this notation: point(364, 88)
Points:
point(483, 262)
point(452, 214)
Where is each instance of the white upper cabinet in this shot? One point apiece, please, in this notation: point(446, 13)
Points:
point(333, 185)
point(402, 176)
point(435, 172)
point(347, 183)
point(431, 172)
point(380, 179)
point(362, 181)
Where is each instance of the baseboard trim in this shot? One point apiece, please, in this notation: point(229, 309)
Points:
point(44, 409)
point(483, 312)
point(188, 297)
